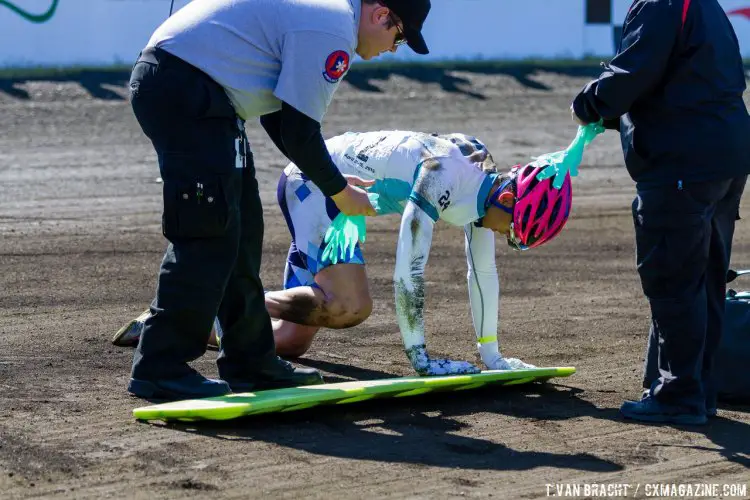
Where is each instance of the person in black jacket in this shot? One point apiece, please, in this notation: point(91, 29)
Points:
point(674, 90)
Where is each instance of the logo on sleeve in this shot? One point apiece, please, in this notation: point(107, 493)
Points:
point(337, 63)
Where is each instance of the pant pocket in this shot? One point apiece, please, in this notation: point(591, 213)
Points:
point(196, 205)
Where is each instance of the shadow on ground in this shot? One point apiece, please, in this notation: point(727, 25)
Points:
point(95, 82)
point(450, 76)
point(364, 78)
point(422, 430)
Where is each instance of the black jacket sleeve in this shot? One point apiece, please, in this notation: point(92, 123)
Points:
point(648, 38)
point(300, 139)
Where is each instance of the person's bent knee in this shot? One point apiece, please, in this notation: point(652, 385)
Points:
point(364, 309)
point(349, 312)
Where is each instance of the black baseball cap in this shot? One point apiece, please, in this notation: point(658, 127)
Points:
point(413, 14)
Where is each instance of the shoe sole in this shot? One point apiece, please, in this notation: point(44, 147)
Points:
point(118, 338)
point(122, 332)
point(147, 390)
point(668, 419)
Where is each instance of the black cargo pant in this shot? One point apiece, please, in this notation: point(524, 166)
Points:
point(213, 220)
point(683, 235)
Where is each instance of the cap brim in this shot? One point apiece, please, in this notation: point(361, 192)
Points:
point(416, 42)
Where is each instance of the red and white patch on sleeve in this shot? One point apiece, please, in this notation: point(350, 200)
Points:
point(337, 64)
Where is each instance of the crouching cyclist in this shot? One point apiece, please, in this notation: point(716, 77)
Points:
point(424, 178)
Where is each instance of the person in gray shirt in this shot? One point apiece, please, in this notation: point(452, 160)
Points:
point(208, 68)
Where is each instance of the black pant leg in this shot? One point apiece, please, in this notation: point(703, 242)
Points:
point(722, 234)
point(248, 334)
point(673, 234)
point(651, 358)
point(651, 361)
point(192, 126)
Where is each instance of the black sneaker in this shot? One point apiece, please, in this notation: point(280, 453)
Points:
point(192, 386)
point(276, 374)
point(710, 407)
point(649, 409)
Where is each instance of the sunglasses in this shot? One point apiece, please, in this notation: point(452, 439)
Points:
point(400, 38)
point(512, 239)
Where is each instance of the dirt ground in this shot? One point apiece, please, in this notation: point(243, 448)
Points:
point(80, 247)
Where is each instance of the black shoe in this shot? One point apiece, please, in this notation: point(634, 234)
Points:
point(277, 374)
point(192, 386)
point(710, 408)
point(649, 409)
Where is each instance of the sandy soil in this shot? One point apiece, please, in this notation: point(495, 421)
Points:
point(80, 247)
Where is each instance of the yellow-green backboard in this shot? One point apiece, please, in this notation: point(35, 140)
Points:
point(297, 398)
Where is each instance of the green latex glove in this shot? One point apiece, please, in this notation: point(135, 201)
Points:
point(567, 161)
point(344, 233)
point(342, 237)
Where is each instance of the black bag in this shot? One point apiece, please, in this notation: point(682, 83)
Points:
point(732, 362)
